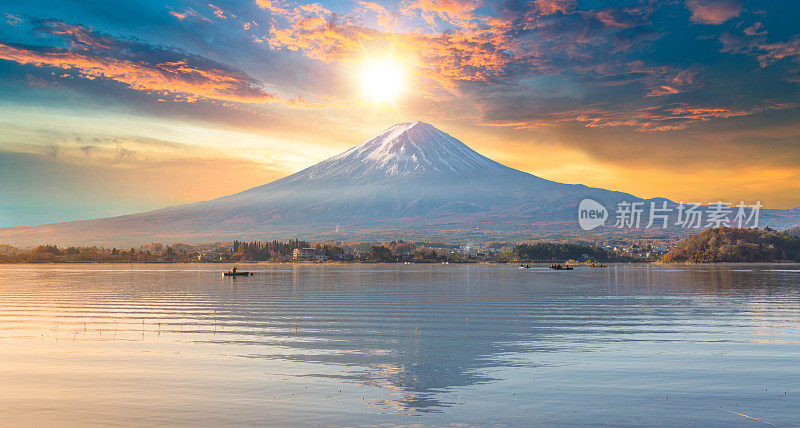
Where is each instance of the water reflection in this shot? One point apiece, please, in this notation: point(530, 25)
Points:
point(404, 339)
point(389, 328)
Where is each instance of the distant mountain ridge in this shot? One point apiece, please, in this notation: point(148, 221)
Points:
point(412, 181)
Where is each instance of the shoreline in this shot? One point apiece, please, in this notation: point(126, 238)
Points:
point(336, 263)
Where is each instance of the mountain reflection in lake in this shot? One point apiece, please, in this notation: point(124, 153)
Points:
point(399, 344)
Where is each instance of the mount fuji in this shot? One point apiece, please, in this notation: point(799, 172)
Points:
point(412, 181)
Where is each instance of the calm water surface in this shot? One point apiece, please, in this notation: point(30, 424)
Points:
point(427, 345)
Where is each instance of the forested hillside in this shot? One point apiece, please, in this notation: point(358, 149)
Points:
point(729, 244)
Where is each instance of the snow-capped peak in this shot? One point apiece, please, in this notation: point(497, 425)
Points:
point(412, 148)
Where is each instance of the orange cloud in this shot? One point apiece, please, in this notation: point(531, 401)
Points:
point(475, 51)
point(179, 15)
point(777, 51)
point(457, 12)
point(188, 14)
point(13, 19)
point(756, 29)
point(142, 68)
point(682, 81)
point(218, 12)
point(448, 42)
point(549, 7)
point(713, 11)
point(668, 117)
point(663, 90)
point(165, 78)
point(386, 19)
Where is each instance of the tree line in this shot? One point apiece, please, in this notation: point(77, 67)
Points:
point(396, 251)
point(262, 251)
point(54, 254)
point(729, 244)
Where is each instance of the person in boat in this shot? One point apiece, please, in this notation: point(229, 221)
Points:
point(233, 270)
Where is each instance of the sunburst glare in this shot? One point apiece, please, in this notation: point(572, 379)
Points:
point(382, 81)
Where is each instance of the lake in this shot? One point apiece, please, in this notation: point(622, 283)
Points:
point(423, 345)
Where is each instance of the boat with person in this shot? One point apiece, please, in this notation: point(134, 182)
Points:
point(236, 272)
point(559, 267)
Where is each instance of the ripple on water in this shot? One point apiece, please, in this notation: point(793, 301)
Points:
point(396, 344)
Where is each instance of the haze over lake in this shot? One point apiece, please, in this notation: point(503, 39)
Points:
point(344, 345)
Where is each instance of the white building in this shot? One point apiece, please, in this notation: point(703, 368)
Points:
point(305, 254)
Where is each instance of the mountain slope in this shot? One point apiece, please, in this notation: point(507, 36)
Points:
point(411, 181)
point(410, 171)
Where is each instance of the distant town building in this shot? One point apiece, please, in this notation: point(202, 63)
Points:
point(307, 255)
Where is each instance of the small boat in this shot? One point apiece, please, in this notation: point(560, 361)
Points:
point(597, 266)
point(559, 267)
point(524, 266)
point(237, 273)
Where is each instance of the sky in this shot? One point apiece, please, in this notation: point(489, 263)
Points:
point(113, 107)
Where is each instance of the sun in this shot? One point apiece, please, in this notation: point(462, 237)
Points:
point(382, 81)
